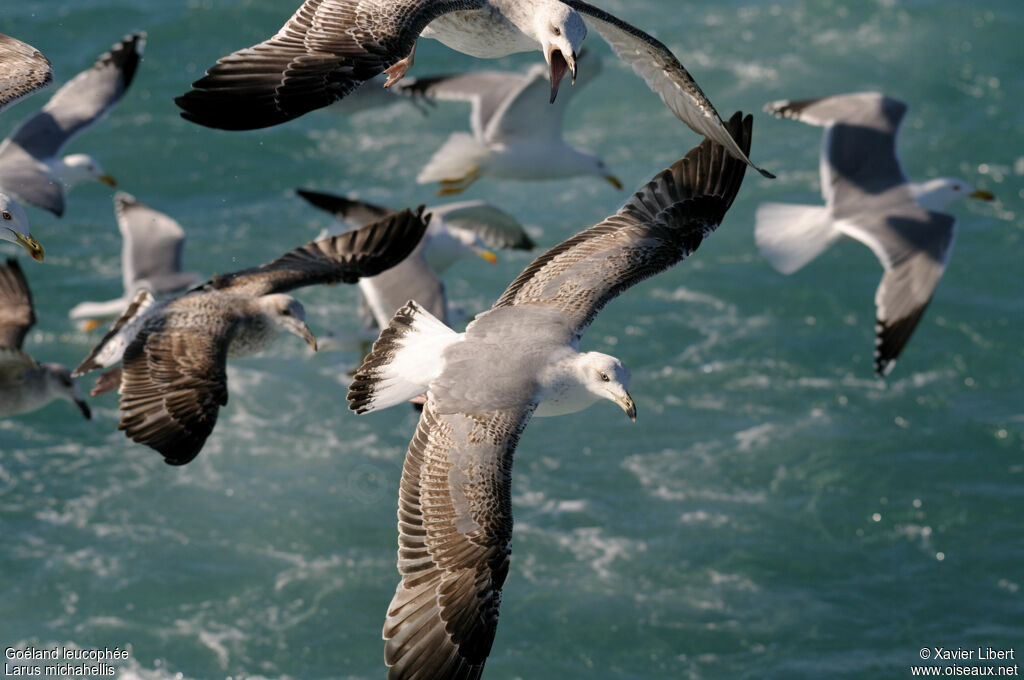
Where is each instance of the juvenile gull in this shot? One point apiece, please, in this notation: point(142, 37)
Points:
point(151, 248)
point(23, 70)
point(514, 136)
point(173, 378)
point(868, 197)
point(24, 384)
point(329, 47)
point(518, 359)
point(456, 230)
point(31, 169)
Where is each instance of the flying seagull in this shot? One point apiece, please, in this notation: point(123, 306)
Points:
point(24, 384)
point(329, 47)
point(23, 70)
point(456, 230)
point(151, 248)
point(514, 136)
point(173, 377)
point(516, 360)
point(868, 197)
point(14, 227)
point(31, 169)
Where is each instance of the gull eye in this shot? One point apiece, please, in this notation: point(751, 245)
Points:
point(556, 30)
point(605, 378)
point(956, 187)
point(286, 312)
point(7, 216)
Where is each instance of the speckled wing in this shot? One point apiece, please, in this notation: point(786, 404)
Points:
point(913, 246)
point(173, 383)
point(81, 101)
point(23, 70)
point(322, 53)
point(455, 528)
point(16, 313)
point(658, 227)
point(344, 258)
point(661, 70)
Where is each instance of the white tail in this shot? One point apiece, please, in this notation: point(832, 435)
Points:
point(461, 155)
point(789, 236)
point(404, 361)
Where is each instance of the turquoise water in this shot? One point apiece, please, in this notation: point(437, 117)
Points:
point(776, 512)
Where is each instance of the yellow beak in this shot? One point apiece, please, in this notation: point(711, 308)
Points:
point(982, 195)
point(29, 244)
point(487, 255)
point(108, 180)
point(614, 181)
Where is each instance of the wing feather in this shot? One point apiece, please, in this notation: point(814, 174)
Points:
point(16, 312)
point(23, 70)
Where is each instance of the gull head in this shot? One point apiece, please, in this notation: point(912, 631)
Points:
point(60, 383)
point(606, 377)
point(937, 194)
point(79, 167)
point(288, 314)
point(14, 227)
point(560, 31)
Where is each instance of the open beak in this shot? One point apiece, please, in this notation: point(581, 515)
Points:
point(29, 244)
point(486, 254)
point(982, 195)
point(559, 66)
point(108, 180)
point(614, 181)
point(84, 408)
point(626, 404)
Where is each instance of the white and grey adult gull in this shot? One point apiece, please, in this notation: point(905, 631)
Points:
point(26, 385)
point(514, 136)
point(173, 354)
point(868, 197)
point(456, 230)
point(151, 253)
point(31, 169)
point(329, 47)
point(23, 70)
point(516, 360)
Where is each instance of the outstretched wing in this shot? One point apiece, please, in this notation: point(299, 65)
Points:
point(351, 211)
point(16, 312)
point(322, 53)
point(659, 226)
point(455, 527)
point(152, 247)
point(82, 101)
point(495, 227)
point(361, 252)
point(23, 70)
point(174, 381)
point(663, 73)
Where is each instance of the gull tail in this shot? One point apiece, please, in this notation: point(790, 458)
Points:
point(789, 236)
point(458, 158)
point(111, 348)
point(404, 360)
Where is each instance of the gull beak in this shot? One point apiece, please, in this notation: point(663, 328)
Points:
point(614, 181)
point(84, 408)
point(303, 332)
point(29, 244)
point(559, 66)
point(982, 195)
point(625, 402)
point(108, 180)
point(486, 254)
point(89, 325)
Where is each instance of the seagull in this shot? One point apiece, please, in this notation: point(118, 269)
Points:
point(329, 47)
point(25, 385)
point(31, 169)
point(456, 230)
point(514, 135)
point(868, 197)
point(516, 360)
point(173, 377)
point(23, 70)
point(151, 248)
